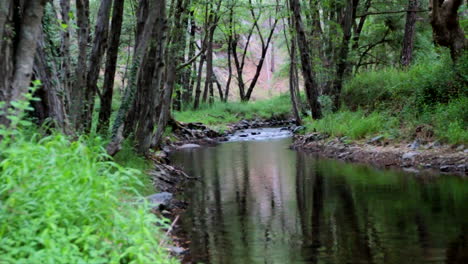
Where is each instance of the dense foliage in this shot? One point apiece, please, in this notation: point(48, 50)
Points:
point(65, 202)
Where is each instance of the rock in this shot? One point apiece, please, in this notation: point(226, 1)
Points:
point(435, 144)
point(466, 151)
point(160, 200)
point(189, 146)
point(375, 140)
point(255, 133)
point(446, 168)
point(243, 135)
point(298, 129)
point(415, 145)
point(410, 155)
point(411, 170)
point(462, 168)
point(460, 148)
point(177, 250)
point(166, 149)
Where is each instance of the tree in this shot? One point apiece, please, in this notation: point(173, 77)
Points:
point(310, 83)
point(410, 30)
point(17, 50)
point(446, 26)
point(111, 65)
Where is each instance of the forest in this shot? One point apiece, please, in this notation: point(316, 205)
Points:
point(93, 92)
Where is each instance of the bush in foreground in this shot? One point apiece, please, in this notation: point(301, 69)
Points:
point(62, 202)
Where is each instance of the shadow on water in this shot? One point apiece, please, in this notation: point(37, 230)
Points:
point(259, 202)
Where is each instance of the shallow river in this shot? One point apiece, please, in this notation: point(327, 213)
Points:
point(259, 202)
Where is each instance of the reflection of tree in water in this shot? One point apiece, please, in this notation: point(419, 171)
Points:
point(247, 209)
point(457, 251)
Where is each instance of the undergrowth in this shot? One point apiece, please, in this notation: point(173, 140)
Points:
point(396, 102)
point(65, 202)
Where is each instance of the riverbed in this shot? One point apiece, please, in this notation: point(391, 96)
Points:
point(257, 201)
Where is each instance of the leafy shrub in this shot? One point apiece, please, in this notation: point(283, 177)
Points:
point(62, 202)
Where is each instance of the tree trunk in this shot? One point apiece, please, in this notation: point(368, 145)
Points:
point(310, 84)
point(94, 66)
point(446, 26)
point(79, 87)
point(209, 66)
point(149, 97)
point(293, 82)
point(51, 106)
point(188, 90)
point(265, 46)
point(19, 67)
point(342, 65)
point(65, 65)
point(7, 34)
point(410, 30)
point(111, 65)
point(196, 103)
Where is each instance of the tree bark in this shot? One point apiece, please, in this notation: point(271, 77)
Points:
point(65, 65)
point(149, 97)
point(111, 66)
point(343, 63)
point(79, 87)
point(410, 30)
point(95, 59)
point(188, 90)
point(209, 66)
point(51, 106)
point(196, 103)
point(446, 26)
point(310, 84)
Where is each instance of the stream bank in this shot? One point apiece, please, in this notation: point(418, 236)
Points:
point(428, 158)
point(413, 157)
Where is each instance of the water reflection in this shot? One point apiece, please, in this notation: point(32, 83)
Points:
point(259, 202)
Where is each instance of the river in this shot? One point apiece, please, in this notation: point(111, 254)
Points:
point(257, 201)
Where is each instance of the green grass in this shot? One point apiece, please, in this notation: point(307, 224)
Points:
point(354, 125)
point(427, 83)
point(64, 202)
point(448, 122)
point(219, 114)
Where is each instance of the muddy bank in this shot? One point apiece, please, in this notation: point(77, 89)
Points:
point(413, 157)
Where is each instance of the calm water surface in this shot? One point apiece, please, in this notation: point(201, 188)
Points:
point(259, 202)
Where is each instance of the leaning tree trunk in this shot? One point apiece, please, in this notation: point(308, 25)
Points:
point(310, 84)
point(446, 26)
point(111, 66)
point(94, 67)
point(18, 65)
point(293, 82)
point(410, 30)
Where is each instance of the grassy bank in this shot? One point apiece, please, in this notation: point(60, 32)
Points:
point(64, 202)
point(429, 100)
point(219, 114)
